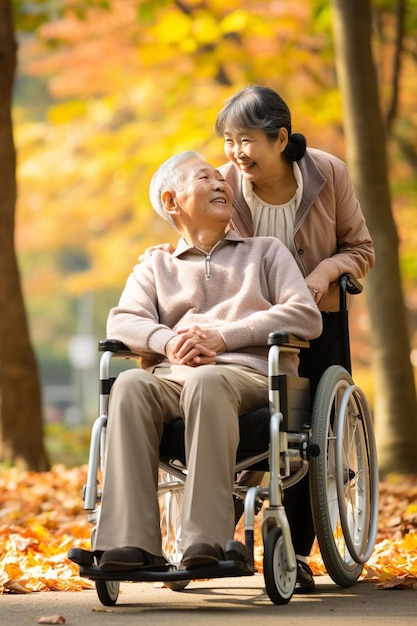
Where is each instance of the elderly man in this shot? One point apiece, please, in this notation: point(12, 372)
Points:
point(200, 319)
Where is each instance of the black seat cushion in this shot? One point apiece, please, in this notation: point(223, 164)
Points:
point(253, 429)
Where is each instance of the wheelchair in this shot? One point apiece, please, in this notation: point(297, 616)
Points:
point(330, 436)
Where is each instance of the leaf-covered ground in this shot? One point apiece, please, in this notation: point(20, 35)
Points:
point(42, 517)
point(393, 563)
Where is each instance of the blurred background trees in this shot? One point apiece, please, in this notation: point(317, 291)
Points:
point(21, 433)
point(106, 90)
point(366, 132)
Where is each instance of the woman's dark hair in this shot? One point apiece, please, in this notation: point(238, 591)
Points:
point(259, 107)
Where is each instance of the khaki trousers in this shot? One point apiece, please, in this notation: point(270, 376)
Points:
point(209, 398)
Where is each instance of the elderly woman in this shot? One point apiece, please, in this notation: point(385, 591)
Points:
point(304, 197)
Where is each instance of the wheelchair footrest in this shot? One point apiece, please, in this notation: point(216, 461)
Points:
point(223, 569)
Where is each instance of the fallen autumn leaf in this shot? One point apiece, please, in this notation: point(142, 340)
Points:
point(51, 619)
point(42, 517)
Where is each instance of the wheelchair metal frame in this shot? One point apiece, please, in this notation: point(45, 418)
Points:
point(291, 452)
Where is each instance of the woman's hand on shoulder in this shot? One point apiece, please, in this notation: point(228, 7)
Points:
point(166, 247)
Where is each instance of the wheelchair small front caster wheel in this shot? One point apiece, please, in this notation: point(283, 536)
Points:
point(107, 591)
point(279, 582)
point(177, 585)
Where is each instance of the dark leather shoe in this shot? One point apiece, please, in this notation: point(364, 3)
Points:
point(202, 554)
point(305, 581)
point(236, 551)
point(129, 558)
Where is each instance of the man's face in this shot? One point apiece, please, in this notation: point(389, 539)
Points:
point(203, 195)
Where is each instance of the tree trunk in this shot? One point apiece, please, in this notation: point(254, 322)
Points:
point(395, 396)
point(21, 435)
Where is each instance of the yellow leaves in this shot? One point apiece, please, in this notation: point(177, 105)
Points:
point(132, 91)
point(67, 111)
point(394, 560)
point(188, 32)
point(393, 564)
point(42, 517)
point(38, 562)
point(205, 28)
point(234, 22)
point(172, 28)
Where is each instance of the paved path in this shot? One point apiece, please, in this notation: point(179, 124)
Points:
point(227, 602)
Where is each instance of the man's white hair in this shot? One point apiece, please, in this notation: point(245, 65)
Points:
point(167, 177)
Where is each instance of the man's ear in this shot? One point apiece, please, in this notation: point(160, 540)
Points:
point(169, 200)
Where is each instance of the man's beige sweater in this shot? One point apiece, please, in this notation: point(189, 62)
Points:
point(246, 288)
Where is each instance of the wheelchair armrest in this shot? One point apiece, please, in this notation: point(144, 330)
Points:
point(113, 345)
point(286, 339)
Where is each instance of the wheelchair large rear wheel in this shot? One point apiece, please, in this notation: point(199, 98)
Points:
point(170, 500)
point(279, 582)
point(344, 476)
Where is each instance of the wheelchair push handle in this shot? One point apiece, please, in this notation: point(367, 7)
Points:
point(348, 284)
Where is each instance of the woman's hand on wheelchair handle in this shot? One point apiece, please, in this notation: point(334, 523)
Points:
point(318, 285)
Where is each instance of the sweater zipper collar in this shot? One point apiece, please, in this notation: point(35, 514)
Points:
point(208, 258)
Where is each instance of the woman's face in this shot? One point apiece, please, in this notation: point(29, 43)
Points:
point(258, 157)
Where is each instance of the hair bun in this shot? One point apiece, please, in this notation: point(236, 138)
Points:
point(296, 147)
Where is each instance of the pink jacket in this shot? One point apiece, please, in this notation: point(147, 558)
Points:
point(329, 229)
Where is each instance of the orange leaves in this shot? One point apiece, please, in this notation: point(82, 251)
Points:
point(398, 506)
point(394, 562)
point(40, 567)
point(130, 86)
point(42, 517)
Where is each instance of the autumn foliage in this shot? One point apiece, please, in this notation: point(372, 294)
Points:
point(42, 517)
point(112, 109)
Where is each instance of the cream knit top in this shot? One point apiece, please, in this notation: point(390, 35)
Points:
point(276, 219)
